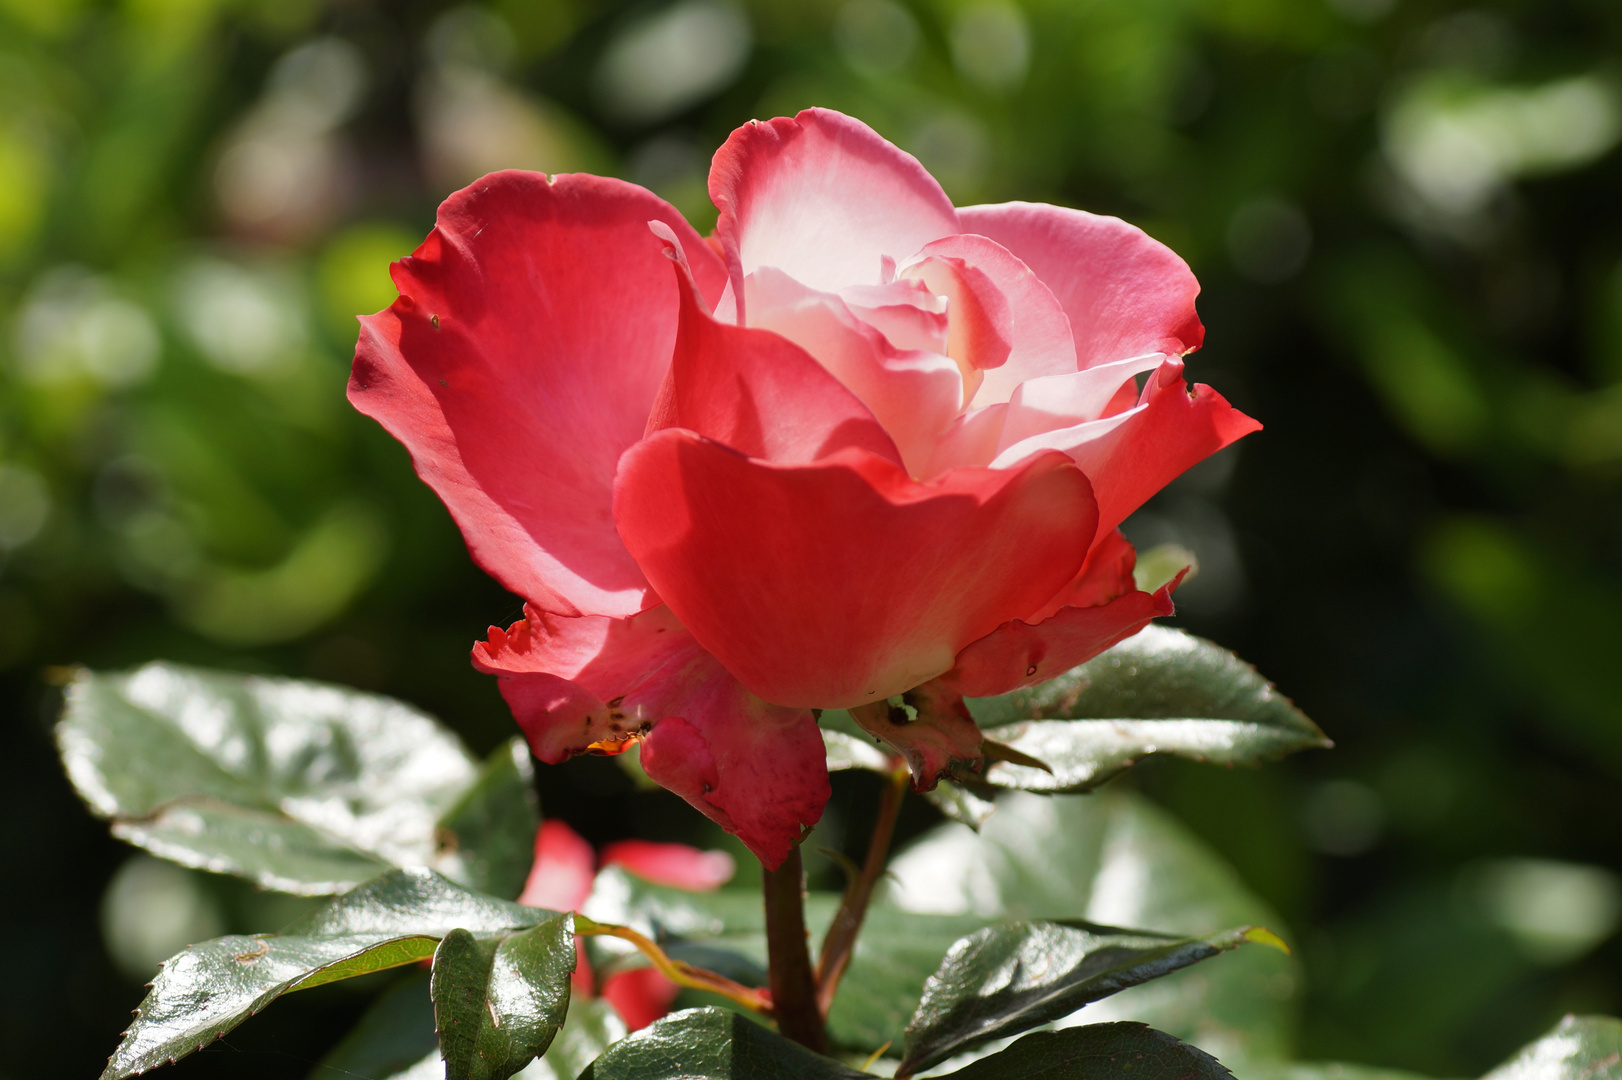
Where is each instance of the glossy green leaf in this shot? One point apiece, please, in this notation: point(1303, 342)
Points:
point(487, 840)
point(498, 1001)
point(1579, 1048)
point(1118, 1051)
point(1116, 859)
point(715, 1044)
point(297, 786)
point(1009, 978)
point(1160, 691)
point(208, 989)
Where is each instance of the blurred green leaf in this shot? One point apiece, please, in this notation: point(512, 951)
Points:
point(394, 1035)
point(1579, 1048)
point(208, 989)
point(498, 1001)
point(487, 840)
point(297, 786)
point(1115, 859)
point(1160, 691)
point(1009, 978)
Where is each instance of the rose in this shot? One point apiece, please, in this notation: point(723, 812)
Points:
point(858, 444)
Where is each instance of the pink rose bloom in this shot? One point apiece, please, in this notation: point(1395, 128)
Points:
point(858, 444)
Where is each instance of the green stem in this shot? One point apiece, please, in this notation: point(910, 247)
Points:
point(794, 990)
point(840, 940)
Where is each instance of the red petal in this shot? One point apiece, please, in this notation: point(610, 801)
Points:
point(845, 582)
point(1130, 456)
point(758, 393)
point(679, 866)
point(1018, 654)
point(759, 771)
point(533, 328)
point(640, 996)
point(823, 198)
point(1106, 574)
point(561, 876)
point(1126, 294)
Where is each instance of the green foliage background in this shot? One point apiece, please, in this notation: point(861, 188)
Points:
point(1404, 216)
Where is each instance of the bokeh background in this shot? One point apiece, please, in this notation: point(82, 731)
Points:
point(1405, 216)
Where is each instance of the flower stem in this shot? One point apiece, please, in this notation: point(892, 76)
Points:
point(794, 990)
point(840, 940)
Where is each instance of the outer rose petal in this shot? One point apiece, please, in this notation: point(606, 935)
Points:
point(640, 996)
point(1130, 456)
point(845, 582)
point(758, 770)
point(823, 198)
point(1126, 294)
point(561, 876)
point(679, 866)
point(533, 328)
point(1018, 654)
point(758, 393)
point(1106, 574)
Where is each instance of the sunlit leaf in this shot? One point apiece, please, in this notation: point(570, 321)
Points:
point(487, 840)
point(297, 786)
point(208, 989)
point(1012, 977)
point(498, 1001)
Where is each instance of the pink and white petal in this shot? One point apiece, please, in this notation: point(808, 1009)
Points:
point(941, 739)
point(1018, 654)
point(570, 681)
point(822, 197)
point(757, 392)
point(560, 877)
point(1039, 338)
point(532, 331)
point(758, 770)
point(915, 395)
point(1126, 293)
point(1130, 456)
point(845, 582)
point(640, 996)
point(1062, 401)
point(970, 441)
point(1105, 575)
point(980, 324)
point(905, 312)
point(680, 866)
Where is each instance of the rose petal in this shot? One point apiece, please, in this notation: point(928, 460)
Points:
point(1039, 336)
point(845, 582)
point(593, 683)
point(905, 312)
point(1130, 456)
point(759, 771)
point(941, 738)
point(533, 328)
point(980, 325)
point(823, 198)
point(564, 867)
point(1019, 654)
point(640, 996)
point(679, 866)
point(914, 395)
point(1105, 575)
point(1126, 294)
point(756, 392)
point(1061, 401)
